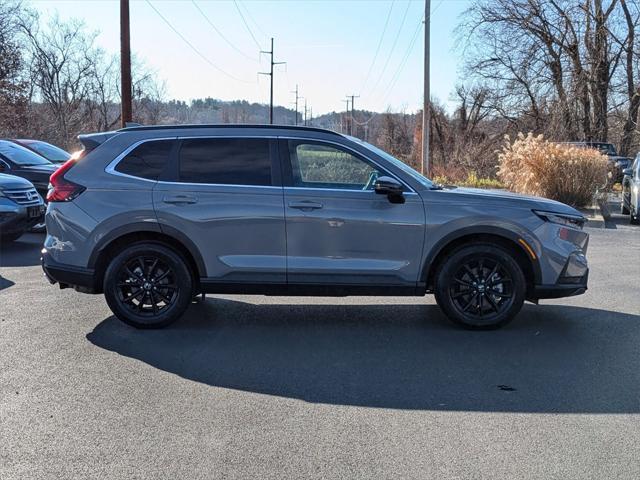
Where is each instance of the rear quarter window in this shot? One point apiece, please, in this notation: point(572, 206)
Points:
point(147, 160)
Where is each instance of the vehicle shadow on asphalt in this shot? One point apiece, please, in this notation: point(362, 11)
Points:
point(24, 252)
point(552, 359)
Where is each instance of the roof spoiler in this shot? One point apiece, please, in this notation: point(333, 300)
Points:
point(92, 140)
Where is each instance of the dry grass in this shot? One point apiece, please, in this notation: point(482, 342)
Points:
point(535, 166)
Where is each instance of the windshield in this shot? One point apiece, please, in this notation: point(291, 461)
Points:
point(20, 155)
point(398, 163)
point(50, 152)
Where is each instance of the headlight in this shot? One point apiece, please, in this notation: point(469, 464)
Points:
point(566, 219)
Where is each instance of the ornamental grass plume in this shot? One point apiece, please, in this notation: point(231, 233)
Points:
point(568, 173)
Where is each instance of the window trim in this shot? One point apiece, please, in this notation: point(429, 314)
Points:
point(288, 167)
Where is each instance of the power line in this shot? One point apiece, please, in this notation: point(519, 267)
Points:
point(405, 58)
point(257, 25)
point(208, 20)
point(197, 52)
point(395, 41)
point(375, 56)
point(246, 24)
point(402, 63)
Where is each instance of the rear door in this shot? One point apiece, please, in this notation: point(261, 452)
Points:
point(339, 231)
point(225, 195)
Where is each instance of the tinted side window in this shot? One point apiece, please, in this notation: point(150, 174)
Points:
point(147, 160)
point(229, 161)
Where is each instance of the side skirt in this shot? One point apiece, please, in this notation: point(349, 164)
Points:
point(312, 290)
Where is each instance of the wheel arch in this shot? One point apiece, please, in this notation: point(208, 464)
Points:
point(477, 234)
point(122, 236)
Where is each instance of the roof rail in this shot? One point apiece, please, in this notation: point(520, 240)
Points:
point(227, 125)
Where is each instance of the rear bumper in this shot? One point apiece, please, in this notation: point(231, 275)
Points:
point(68, 276)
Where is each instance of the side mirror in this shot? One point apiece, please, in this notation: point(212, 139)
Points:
point(628, 172)
point(390, 187)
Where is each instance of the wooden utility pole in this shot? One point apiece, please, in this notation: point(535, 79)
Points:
point(125, 65)
point(298, 97)
point(426, 113)
point(270, 73)
point(305, 111)
point(346, 118)
point(352, 122)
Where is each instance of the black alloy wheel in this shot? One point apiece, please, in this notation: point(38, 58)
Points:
point(480, 286)
point(148, 285)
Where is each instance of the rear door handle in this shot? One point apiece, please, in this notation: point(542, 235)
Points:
point(305, 205)
point(180, 199)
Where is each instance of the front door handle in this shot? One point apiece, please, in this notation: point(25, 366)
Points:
point(180, 199)
point(305, 205)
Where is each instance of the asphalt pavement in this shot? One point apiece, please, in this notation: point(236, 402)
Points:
point(357, 387)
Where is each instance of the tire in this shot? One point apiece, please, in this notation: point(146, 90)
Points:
point(148, 285)
point(10, 237)
point(480, 286)
point(635, 217)
point(624, 210)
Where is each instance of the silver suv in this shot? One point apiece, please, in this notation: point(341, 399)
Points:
point(152, 216)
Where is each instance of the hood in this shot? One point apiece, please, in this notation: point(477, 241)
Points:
point(504, 198)
point(46, 169)
point(11, 182)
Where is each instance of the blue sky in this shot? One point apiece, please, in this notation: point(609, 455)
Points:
point(329, 47)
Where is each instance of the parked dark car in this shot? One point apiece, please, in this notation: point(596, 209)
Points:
point(20, 207)
point(617, 163)
point(22, 162)
point(631, 192)
point(50, 152)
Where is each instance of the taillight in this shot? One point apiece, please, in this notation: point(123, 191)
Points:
point(61, 189)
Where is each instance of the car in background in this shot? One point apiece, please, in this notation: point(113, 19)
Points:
point(22, 162)
point(50, 152)
point(21, 207)
point(617, 163)
point(631, 192)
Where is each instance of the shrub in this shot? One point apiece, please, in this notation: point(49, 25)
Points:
point(563, 172)
point(471, 180)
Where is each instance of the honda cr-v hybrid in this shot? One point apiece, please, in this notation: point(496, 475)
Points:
point(152, 216)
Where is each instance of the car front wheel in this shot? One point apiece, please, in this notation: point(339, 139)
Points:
point(480, 286)
point(148, 285)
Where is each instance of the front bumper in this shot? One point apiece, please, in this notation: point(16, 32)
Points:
point(69, 276)
point(15, 219)
point(577, 286)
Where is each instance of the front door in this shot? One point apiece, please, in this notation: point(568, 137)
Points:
point(339, 231)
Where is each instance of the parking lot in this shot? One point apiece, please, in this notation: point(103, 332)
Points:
point(276, 387)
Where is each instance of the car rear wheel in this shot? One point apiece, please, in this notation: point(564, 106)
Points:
point(635, 217)
point(148, 285)
point(480, 286)
point(624, 209)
